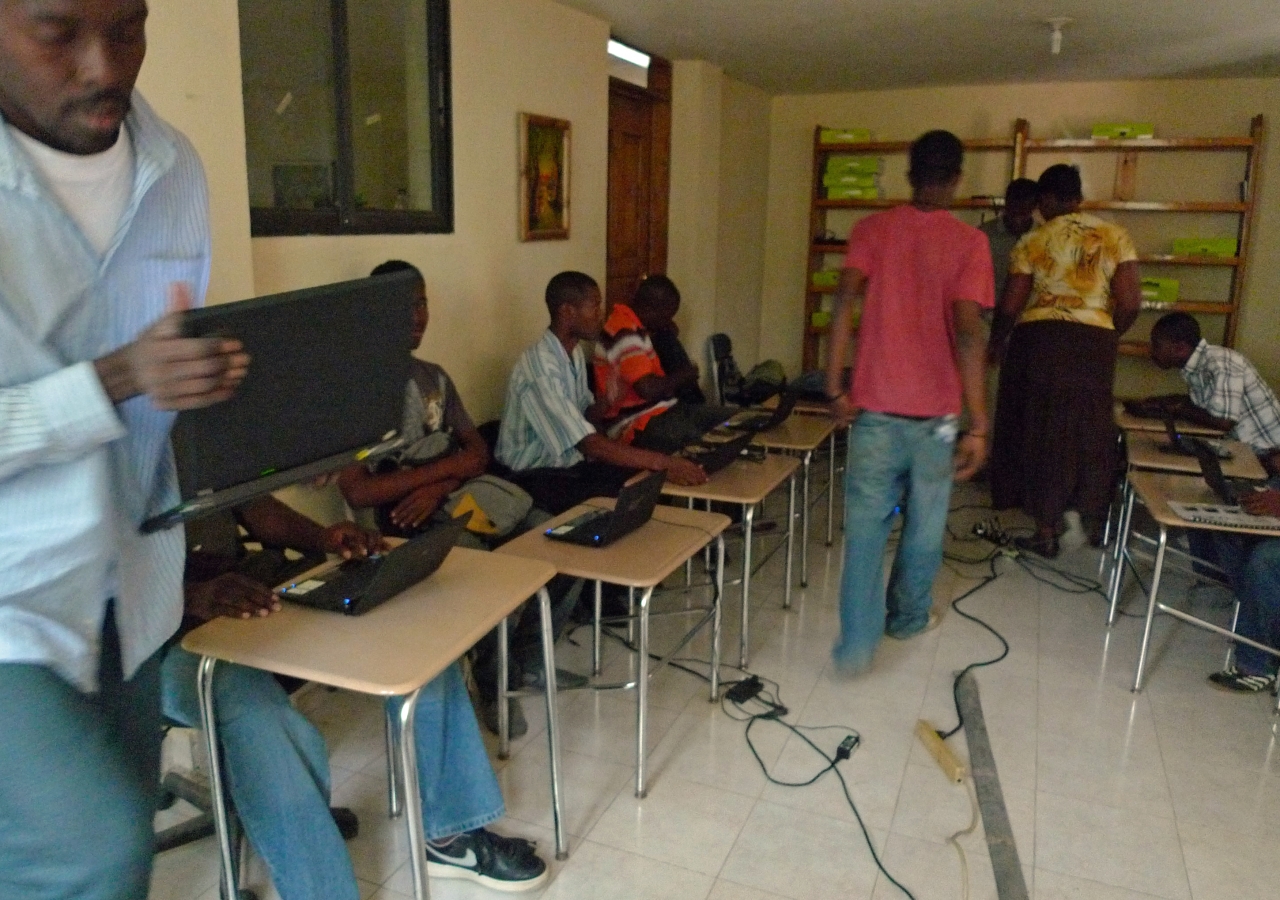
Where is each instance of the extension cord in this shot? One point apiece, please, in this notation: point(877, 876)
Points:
point(991, 530)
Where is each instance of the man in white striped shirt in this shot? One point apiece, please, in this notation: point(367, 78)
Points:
point(547, 437)
point(103, 229)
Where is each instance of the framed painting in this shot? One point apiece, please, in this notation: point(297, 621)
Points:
point(544, 178)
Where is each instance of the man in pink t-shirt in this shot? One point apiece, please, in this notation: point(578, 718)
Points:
point(923, 278)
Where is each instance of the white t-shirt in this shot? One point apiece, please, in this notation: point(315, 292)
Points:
point(93, 189)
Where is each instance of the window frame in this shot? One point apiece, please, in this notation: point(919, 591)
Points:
point(345, 218)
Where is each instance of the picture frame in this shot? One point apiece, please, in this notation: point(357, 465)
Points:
point(544, 178)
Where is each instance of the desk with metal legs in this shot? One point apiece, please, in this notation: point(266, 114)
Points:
point(1143, 449)
point(641, 560)
point(391, 651)
point(748, 483)
point(803, 434)
point(1155, 490)
point(1128, 422)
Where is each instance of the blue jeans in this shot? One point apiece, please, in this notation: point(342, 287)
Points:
point(277, 771)
point(1254, 568)
point(80, 775)
point(892, 461)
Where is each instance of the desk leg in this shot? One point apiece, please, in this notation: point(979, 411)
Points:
point(595, 630)
point(413, 792)
point(1123, 525)
point(504, 702)
point(222, 825)
point(831, 485)
point(804, 527)
point(394, 808)
point(1140, 674)
point(748, 517)
point(688, 563)
point(718, 599)
point(642, 699)
point(553, 718)
point(791, 539)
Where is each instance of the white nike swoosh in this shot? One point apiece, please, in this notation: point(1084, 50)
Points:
point(468, 860)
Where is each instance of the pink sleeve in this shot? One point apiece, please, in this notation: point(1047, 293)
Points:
point(977, 279)
point(859, 253)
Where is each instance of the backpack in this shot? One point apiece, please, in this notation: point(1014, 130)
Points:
point(763, 381)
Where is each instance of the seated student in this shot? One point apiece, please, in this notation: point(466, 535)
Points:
point(1253, 565)
point(656, 303)
point(276, 763)
point(547, 437)
point(641, 399)
point(406, 492)
point(1225, 391)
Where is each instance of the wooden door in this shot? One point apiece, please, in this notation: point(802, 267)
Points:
point(639, 181)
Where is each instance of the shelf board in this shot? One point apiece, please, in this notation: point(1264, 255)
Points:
point(904, 146)
point(890, 202)
point(821, 290)
point(1168, 259)
point(1203, 307)
point(828, 246)
point(1202, 206)
point(1127, 144)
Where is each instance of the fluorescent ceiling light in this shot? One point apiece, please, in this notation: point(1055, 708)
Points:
point(629, 54)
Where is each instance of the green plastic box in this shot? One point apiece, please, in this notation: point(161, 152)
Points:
point(1160, 290)
point(844, 135)
point(1119, 130)
point(1204, 247)
point(850, 179)
point(820, 319)
point(826, 278)
point(849, 164)
point(848, 192)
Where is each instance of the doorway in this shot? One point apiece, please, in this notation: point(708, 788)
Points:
point(639, 180)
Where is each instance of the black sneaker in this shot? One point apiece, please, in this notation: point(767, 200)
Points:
point(1237, 682)
point(497, 862)
point(347, 822)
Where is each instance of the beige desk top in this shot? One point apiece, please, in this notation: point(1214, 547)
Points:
point(742, 481)
point(1156, 489)
point(797, 432)
point(1129, 422)
point(802, 407)
point(393, 649)
point(642, 559)
point(1144, 453)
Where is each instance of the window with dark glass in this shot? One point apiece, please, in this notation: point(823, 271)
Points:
point(347, 116)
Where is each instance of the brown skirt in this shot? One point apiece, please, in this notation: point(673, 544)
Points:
point(1054, 444)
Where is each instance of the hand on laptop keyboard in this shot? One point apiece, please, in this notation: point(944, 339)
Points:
point(232, 595)
point(1262, 503)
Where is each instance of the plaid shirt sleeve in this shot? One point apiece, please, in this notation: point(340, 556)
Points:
point(1225, 384)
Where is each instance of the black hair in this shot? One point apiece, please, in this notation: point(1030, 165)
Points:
point(1177, 328)
point(655, 291)
point(568, 287)
point(1021, 189)
point(396, 265)
point(936, 158)
point(1061, 181)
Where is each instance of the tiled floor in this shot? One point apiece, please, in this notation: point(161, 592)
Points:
point(1172, 793)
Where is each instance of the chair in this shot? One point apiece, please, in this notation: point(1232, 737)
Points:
point(726, 377)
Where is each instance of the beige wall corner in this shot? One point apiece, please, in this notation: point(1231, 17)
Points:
point(192, 77)
point(696, 111)
point(744, 191)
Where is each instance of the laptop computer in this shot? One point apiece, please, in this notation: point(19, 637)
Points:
point(325, 388)
point(1229, 513)
point(1181, 444)
point(601, 527)
point(716, 455)
point(754, 420)
point(359, 585)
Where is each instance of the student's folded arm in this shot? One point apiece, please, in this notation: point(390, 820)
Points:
point(55, 419)
point(656, 388)
point(362, 488)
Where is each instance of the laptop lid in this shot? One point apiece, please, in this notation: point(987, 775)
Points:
point(715, 456)
point(1211, 469)
point(757, 420)
point(635, 506)
point(326, 386)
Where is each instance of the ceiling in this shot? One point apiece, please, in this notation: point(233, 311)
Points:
point(813, 46)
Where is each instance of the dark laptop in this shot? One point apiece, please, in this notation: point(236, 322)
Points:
point(1228, 514)
point(359, 585)
point(601, 527)
point(716, 455)
point(754, 420)
point(1182, 444)
point(1228, 490)
point(325, 388)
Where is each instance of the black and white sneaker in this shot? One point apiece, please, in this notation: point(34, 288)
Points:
point(1237, 682)
point(497, 862)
